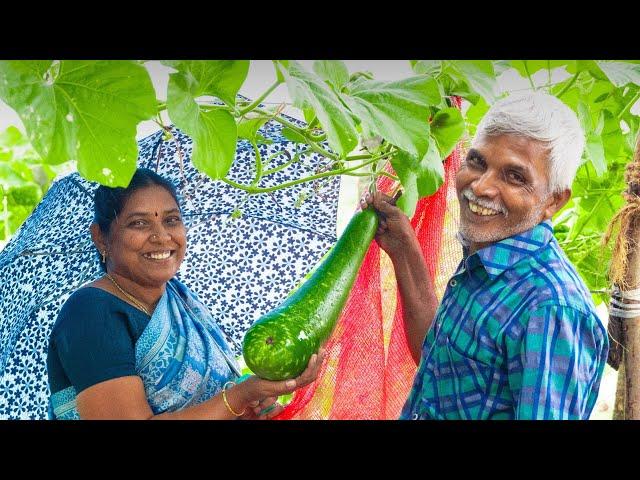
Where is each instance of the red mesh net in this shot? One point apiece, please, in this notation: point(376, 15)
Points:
point(369, 370)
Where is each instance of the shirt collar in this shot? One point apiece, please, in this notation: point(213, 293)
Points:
point(502, 255)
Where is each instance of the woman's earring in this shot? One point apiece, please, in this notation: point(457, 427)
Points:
point(104, 256)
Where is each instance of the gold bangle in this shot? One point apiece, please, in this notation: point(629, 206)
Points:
point(226, 402)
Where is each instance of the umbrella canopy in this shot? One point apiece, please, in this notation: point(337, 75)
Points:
point(239, 267)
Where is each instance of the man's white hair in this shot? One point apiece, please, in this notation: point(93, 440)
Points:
point(542, 117)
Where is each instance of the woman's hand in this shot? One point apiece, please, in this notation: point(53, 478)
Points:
point(258, 394)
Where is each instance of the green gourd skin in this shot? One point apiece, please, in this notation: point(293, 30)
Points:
point(278, 346)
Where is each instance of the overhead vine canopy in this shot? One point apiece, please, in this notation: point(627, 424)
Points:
point(86, 112)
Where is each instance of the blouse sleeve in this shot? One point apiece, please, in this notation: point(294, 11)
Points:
point(93, 341)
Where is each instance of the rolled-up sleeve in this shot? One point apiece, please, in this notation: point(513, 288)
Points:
point(556, 364)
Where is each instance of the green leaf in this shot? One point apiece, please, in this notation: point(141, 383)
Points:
point(532, 66)
point(15, 146)
point(474, 115)
point(594, 213)
point(594, 148)
point(82, 110)
point(453, 84)
point(218, 78)
point(365, 75)
point(621, 73)
point(427, 67)
point(409, 199)
point(309, 91)
point(214, 132)
point(447, 127)
point(479, 75)
point(589, 66)
point(22, 169)
point(249, 128)
point(309, 116)
point(584, 115)
point(12, 137)
point(431, 172)
point(9, 178)
point(397, 111)
point(333, 71)
point(292, 135)
point(302, 197)
point(279, 76)
point(622, 105)
point(612, 138)
point(501, 66)
point(419, 178)
point(420, 90)
point(27, 195)
point(595, 152)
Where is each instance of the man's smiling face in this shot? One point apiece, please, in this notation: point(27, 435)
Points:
point(503, 189)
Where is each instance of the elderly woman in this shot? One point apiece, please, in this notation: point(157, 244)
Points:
point(137, 343)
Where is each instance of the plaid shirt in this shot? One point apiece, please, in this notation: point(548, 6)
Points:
point(516, 336)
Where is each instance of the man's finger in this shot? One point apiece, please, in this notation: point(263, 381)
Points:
point(383, 204)
point(396, 197)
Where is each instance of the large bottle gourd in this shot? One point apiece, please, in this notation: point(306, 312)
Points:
point(279, 345)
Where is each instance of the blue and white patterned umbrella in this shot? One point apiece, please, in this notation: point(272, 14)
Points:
point(240, 267)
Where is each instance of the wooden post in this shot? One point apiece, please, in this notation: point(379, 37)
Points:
point(624, 328)
point(631, 329)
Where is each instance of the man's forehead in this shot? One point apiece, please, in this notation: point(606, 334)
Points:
point(522, 147)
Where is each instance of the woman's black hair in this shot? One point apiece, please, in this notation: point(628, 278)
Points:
point(109, 201)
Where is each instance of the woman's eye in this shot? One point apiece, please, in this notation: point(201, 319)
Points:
point(172, 220)
point(137, 223)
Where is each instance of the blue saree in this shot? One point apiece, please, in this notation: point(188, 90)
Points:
point(182, 357)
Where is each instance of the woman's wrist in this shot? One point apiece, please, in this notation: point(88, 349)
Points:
point(234, 398)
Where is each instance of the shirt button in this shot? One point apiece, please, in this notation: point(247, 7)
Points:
point(453, 282)
point(414, 416)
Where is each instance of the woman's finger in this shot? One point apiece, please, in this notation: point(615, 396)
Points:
point(311, 372)
point(308, 375)
point(267, 405)
point(272, 411)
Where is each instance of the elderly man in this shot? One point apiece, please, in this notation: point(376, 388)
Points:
point(516, 335)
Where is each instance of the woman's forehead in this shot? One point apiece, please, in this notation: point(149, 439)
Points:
point(153, 198)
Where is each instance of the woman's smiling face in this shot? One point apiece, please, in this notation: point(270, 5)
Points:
point(147, 241)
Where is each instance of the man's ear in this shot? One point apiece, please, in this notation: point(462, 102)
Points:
point(556, 201)
point(98, 238)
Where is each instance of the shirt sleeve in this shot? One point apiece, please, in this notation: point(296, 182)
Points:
point(556, 364)
point(94, 343)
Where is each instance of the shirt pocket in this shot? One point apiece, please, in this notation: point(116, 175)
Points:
point(464, 381)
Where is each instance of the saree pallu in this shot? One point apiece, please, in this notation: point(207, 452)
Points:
point(182, 357)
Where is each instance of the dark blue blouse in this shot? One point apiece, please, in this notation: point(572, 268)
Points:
point(93, 340)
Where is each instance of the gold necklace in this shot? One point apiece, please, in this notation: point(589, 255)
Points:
point(135, 301)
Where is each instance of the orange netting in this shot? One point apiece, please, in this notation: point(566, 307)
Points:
point(369, 371)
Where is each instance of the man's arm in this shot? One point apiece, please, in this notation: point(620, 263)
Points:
point(396, 237)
